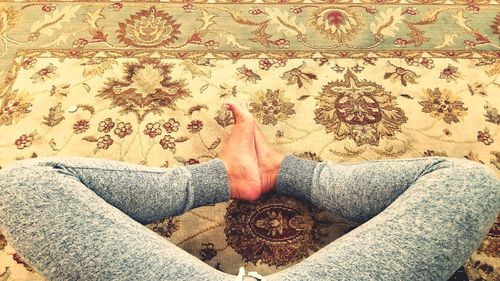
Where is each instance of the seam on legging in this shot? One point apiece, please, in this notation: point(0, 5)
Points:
point(425, 170)
point(315, 180)
point(397, 160)
point(189, 189)
point(91, 168)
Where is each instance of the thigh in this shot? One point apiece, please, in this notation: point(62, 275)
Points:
point(67, 232)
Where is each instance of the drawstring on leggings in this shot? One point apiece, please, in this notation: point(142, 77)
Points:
point(254, 274)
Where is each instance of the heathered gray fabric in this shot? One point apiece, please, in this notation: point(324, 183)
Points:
point(295, 177)
point(423, 217)
point(76, 218)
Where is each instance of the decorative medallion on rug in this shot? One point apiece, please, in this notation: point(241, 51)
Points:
point(275, 230)
point(346, 81)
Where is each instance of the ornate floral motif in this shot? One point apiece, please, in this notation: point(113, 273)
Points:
point(297, 76)
point(104, 142)
point(14, 107)
point(28, 63)
point(450, 73)
point(195, 126)
point(339, 24)
point(146, 87)
point(361, 110)
point(106, 125)
point(152, 129)
point(81, 126)
point(484, 137)
point(247, 74)
point(402, 74)
point(45, 73)
point(271, 106)
point(274, 230)
point(148, 29)
point(24, 141)
point(165, 227)
point(167, 142)
point(123, 129)
point(171, 125)
point(443, 105)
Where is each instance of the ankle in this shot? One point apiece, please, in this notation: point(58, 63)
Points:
point(271, 169)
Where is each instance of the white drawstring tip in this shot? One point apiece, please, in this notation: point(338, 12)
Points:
point(254, 274)
point(240, 275)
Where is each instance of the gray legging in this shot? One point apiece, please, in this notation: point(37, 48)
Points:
point(76, 218)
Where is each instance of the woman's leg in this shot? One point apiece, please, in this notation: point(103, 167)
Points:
point(423, 217)
point(76, 218)
point(81, 218)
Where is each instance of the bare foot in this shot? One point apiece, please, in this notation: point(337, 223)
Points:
point(269, 160)
point(240, 156)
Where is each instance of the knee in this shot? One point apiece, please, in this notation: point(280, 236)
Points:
point(473, 168)
point(460, 165)
point(21, 178)
point(479, 181)
point(25, 168)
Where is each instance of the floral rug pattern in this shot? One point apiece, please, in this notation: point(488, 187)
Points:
point(345, 82)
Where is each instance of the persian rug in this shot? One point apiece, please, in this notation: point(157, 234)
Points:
point(344, 81)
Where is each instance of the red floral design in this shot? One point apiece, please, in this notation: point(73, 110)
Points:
point(80, 43)
point(265, 64)
point(123, 129)
point(484, 137)
point(106, 125)
point(211, 44)
point(81, 126)
point(23, 141)
point(28, 62)
point(255, 11)
point(48, 8)
point(359, 109)
point(44, 73)
point(195, 126)
point(104, 142)
point(449, 73)
point(149, 29)
point(167, 142)
point(152, 130)
point(339, 24)
point(171, 125)
point(274, 230)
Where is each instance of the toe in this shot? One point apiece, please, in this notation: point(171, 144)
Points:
point(240, 112)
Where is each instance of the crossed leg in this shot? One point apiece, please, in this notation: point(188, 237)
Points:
point(81, 218)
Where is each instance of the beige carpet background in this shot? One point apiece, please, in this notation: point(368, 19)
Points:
point(344, 82)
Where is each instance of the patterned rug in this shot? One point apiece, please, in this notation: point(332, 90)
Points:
point(345, 81)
